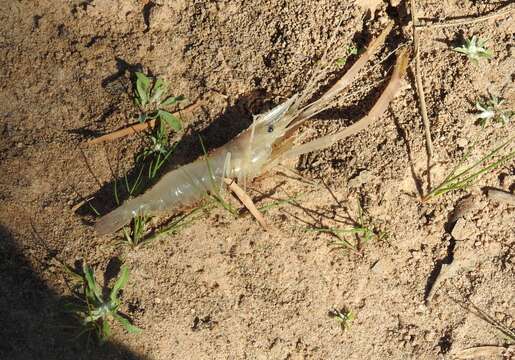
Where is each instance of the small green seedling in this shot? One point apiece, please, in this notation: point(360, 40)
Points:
point(95, 309)
point(148, 96)
point(361, 233)
point(343, 317)
point(491, 109)
point(351, 50)
point(462, 179)
point(133, 235)
point(475, 49)
point(150, 99)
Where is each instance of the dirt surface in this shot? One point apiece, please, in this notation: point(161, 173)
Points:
point(222, 288)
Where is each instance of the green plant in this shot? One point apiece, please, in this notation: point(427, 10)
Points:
point(343, 317)
point(475, 49)
point(351, 50)
point(148, 96)
point(95, 310)
point(360, 234)
point(133, 235)
point(492, 109)
point(176, 224)
point(462, 179)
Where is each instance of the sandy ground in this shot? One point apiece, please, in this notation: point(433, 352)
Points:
point(222, 288)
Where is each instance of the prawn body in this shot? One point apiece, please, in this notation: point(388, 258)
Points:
point(242, 158)
point(266, 142)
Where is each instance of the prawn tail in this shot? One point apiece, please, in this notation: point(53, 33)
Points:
point(114, 220)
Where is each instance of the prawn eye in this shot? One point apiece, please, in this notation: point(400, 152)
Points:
point(270, 128)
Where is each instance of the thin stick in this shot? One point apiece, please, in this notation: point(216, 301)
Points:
point(419, 86)
point(136, 128)
point(247, 201)
point(505, 10)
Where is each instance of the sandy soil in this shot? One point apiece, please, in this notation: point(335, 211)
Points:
point(222, 288)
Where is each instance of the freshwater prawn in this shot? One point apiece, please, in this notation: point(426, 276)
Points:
point(269, 140)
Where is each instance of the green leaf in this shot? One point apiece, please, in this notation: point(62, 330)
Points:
point(127, 325)
point(462, 50)
point(91, 283)
point(120, 283)
point(158, 90)
point(172, 100)
point(106, 331)
point(170, 119)
point(142, 88)
point(341, 61)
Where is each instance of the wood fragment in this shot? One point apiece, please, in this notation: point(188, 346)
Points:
point(247, 201)
point(501, 196)
point(505, 10)
point(137, 127)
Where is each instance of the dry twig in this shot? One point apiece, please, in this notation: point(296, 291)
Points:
point(419, 85)
point(247, 201)
point(138, 127)
point(505, 10)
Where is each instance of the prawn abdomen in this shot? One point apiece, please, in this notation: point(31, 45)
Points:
point(179, 189)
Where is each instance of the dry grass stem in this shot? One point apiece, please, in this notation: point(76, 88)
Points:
point(419, 85)
point(505, 10)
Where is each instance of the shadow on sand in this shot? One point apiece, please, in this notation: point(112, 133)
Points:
point(34, 325)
